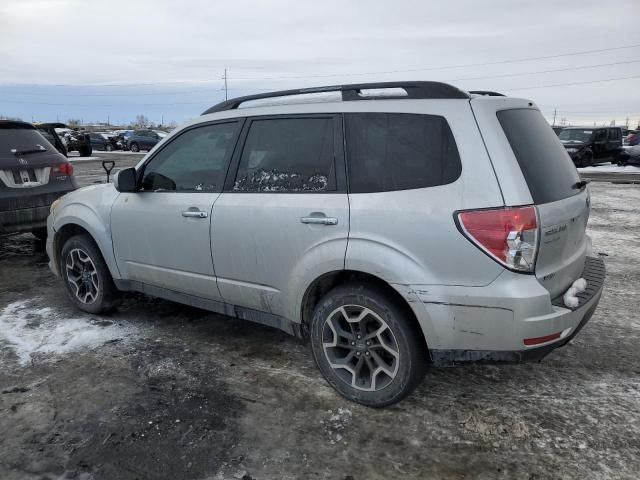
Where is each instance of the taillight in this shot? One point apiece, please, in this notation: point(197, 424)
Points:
point(508, 235)
point(63, 169)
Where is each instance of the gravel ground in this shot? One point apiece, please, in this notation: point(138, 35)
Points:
point(162, 391)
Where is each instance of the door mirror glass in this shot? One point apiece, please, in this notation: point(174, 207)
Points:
point(125, 180)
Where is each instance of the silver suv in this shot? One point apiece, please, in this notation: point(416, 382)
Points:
point(395, 226)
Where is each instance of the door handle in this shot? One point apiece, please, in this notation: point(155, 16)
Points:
point(195, 214)
point(319, 220)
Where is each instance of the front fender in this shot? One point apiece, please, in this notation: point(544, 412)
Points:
point(95, 222)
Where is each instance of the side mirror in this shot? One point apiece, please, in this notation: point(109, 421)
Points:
point(126, 180)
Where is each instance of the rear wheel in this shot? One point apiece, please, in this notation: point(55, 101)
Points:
point(365, 345)
point(86, 277)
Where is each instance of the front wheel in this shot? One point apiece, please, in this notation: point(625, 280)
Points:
point(134, 147)
point(109, 147)
point(86, 276)
point(366, 346)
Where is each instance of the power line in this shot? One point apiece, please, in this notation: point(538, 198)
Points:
point(225, 88)
point(420, 69)
point(543, 71)
point(570, 84)
point(424, 69)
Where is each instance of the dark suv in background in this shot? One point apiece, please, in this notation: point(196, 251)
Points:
point(33, 174)
point(142, 140)
point(588, 145)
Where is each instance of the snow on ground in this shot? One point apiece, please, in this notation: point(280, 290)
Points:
point(122, 152)
point(610, 168)
point(31, 330)
point(82, 159)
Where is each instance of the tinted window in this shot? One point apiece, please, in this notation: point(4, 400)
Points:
point(195, 161)
point(391, 151)
point(545, 164)
point(287, 155)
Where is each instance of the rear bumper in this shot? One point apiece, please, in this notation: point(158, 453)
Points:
point(25, 213)
point(489, 324)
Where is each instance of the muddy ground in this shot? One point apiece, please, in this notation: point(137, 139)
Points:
point(162, 391)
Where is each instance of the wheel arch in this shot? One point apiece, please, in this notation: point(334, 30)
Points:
point(80, 222)
point(326, 282)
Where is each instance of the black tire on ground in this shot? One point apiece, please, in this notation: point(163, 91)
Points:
point(398, 333)
point(40, 233)
point(74, 252)
point(85, 151)
point(587, 159)
point(109, 147)
point(134, 147)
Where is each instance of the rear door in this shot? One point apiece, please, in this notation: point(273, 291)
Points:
point(284, 214)
point(534, 168)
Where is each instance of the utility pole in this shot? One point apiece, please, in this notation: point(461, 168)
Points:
point(555, 111)
point(226, 96)
point(626, 123)
point(162, 120)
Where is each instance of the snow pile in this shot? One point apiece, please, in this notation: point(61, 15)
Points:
point(570, 297)
point(31, 330)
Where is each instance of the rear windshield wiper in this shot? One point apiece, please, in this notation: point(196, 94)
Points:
point(18, 153)
point(581, 184)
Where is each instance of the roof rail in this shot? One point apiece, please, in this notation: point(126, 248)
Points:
point(415, 90)
point(486, 93)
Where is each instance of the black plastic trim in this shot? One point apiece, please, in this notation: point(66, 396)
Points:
point(217, 306)
point(351, 92)
point(486, 93)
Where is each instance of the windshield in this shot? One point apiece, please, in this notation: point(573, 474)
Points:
point(575, 135)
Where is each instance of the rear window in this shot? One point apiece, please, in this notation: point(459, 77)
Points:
point(26, 140)
point(545, 164)
point(397, 151)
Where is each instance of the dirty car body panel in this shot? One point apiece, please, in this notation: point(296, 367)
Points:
point(253, 252)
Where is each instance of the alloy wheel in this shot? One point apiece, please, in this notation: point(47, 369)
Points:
point(360, 347)
point(82, 276)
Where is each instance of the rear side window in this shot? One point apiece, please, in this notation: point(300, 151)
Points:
point(288, 155)
point(545, 164)
point(397, 151)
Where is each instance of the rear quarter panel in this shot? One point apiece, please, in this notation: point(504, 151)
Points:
point(409, 236)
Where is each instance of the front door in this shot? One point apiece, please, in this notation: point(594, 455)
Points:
point(161, 234)
point(284, 215)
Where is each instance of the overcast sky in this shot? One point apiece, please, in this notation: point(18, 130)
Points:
point(112, 59)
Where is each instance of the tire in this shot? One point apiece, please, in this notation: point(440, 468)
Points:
point(134, 147)
point(587, 160)
point(85, 151)
point(40, 233)
point(402, 371)
point(108, 147)
point(80, 256)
